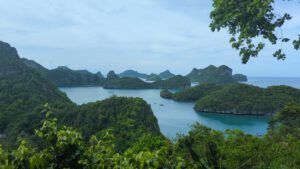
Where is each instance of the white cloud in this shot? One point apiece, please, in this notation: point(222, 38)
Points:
point(121, 34)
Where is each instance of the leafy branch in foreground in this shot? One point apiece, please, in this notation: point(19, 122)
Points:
point(250, 22)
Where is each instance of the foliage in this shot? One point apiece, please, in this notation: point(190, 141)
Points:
point(250, 22)
point(202, 148)
point(288, 116)
point(65, 148)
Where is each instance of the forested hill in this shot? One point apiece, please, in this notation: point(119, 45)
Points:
point(248, 99)
point(64, 77)
point(212, 74)
point(240, 99)
point(22, 89)
point(24, 92)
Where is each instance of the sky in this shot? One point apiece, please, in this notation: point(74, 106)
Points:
point(145, 35)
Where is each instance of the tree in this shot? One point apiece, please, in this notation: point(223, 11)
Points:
point(248, 21)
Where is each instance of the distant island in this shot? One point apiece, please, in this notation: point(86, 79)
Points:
point(115, 82)
point(166, 75)
point(62, 76)
point(153, 77)
point(133, 73)
point(239, 99)
point(212, 74)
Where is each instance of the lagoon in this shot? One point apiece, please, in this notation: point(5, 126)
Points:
point(173, 117)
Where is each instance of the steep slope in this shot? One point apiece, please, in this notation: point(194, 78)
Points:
point(22, 90)
point(36, 66)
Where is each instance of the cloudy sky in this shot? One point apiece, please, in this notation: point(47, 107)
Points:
point(146, 35)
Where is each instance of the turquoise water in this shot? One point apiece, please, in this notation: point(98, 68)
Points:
point(173, 117)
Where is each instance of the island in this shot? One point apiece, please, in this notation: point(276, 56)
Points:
point(133, 73)
point(63, 76)
point(238, 99)
point(243, 99)
point(212, 74)
point(176, 82)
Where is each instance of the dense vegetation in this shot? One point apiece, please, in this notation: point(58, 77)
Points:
point(236, 98)
point(176, 82)
point(213, 74)
point(247, 99)
point(65, 77)
point(202, 148)
point(24, 92)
